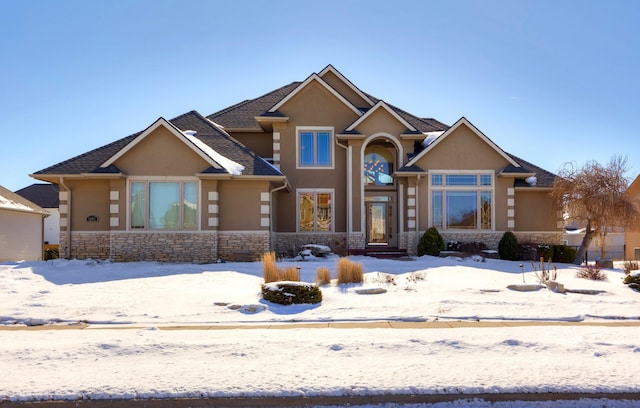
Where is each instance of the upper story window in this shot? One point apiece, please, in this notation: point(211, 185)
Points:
point(164, 205)
point(378, 166)
point(462, 201)
point(314, 147)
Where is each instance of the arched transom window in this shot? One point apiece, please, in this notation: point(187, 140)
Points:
point(378, 164)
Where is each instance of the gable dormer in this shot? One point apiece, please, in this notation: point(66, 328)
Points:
point(380, 118)
point(346, 88)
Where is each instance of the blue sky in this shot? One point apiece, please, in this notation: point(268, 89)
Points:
point(551, 81)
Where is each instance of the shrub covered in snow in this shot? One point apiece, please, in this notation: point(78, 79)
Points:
point(288, 292)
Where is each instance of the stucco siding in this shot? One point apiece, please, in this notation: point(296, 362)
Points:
point(161, 153)
point(535, 211)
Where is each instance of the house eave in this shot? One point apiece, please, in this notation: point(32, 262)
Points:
point(278, 119)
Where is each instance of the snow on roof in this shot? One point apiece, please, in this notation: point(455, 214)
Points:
point(229, 165)
point(430, 137)
point(12, 201)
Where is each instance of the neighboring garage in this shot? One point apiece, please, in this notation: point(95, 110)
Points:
point(21, 228)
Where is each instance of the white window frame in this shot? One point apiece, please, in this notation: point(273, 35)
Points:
point(478, 188)
point(330, 191)
point(160, 179)
point(315, 129)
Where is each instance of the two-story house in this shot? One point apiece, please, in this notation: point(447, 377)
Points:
point(317, 161)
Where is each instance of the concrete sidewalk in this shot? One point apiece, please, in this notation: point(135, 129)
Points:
point(378, 324)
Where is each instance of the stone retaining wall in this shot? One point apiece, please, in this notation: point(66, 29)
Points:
point(287, 244)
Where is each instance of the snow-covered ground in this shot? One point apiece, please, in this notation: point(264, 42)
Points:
point(131, 347)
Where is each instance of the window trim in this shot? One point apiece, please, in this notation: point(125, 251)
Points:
point(161, 179)
point(478, 188)
point(316, 191)
point(315, 130)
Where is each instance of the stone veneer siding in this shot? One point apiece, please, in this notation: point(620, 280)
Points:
point(195, 247)
point(242, 245)
point(491, 239)
point(287, 244)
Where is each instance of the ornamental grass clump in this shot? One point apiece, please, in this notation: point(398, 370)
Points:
point(323, 276)
point(271, 273)
point(349, 271)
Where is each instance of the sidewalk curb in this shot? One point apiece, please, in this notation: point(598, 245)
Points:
point(381, 324)
point(316, 401)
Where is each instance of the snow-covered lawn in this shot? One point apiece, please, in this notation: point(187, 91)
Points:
point(130, 347)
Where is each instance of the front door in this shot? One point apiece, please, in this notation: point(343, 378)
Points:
point(380, 231)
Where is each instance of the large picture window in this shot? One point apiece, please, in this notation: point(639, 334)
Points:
point(315, 147)
point(461, 201)
point(315, 210)
point(164, 205)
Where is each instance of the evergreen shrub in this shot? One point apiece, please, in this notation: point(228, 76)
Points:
point(431, 243)
point(288, 293)
point(508, 246)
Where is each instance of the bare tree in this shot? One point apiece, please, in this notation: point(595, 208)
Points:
point(594, 196)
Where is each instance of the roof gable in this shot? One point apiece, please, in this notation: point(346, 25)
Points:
point(381, 105)
point(463, 121)
point(330, 70)
point(206, 131)
point(188, 140)
point(311, 79)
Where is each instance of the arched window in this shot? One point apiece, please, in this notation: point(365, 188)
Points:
point(378, 164)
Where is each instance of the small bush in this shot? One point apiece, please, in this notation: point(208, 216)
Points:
point(323, 276)
point(631, 279)
point(51, 253)
point(630, 266)
point(508, 246)
point(591, 272)
point(431, 243)
point(473, 248)
point(545, 251)
point(287, 293)
point(349, 271)
point(563, 254)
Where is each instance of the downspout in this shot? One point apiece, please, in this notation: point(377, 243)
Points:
point(348, 150)
point(68, 190)
point(282, 187)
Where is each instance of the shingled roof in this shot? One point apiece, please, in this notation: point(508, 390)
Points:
point(242, 115)
point(44, 194)
point(207, 132)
